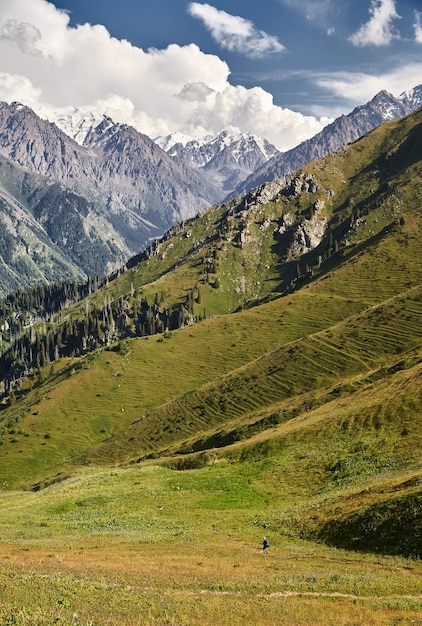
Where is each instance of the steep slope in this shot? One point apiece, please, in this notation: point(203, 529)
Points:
point(140, 189)
point(345, 129)
point(314, 391)
point(49, 233)
point(340, 237)
point(260, 395)
point(26, 252)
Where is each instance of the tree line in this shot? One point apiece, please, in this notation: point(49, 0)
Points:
point(35, 341)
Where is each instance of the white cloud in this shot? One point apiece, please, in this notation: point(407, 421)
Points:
point(378, 31)
point(18, 88)
point(235, 33)
point(48, 65)
point(26, 36)
point(359, 88)
point(195, 92)
point(253, 110)
point(418, 27)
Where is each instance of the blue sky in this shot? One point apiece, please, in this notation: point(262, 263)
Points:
point(279, 68)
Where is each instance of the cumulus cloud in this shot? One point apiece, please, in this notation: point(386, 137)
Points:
point(418, 27)
point(378, 31)
point(253, 109)
point(235, 33)
point(49, 65)
point(26, 36)
point(19, 89)
point(195, 92)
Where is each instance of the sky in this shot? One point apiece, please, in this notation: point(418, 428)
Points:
point(281, 69)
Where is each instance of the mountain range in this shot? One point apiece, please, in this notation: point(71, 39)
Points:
point(227, 159)
point(101, 202)
point(81, 195)
point(275, 337)
point(343, 130)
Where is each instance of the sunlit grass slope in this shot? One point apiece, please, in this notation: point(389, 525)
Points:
point(362, 192)
point(85, 401)
point(357, 345)
point(305, 381)
point(116, 546)
point(150, 469)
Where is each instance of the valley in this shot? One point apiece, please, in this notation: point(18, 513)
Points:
point(142, 464)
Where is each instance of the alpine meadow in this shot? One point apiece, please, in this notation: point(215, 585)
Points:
point(255, 372)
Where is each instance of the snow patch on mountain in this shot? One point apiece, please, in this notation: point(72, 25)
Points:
point(412, 98)
point(77, 123)
point(169, 141)
point(197, 152)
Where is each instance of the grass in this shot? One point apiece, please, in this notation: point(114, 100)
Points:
point(333, 357)
point(130, 555)
point(158, 464)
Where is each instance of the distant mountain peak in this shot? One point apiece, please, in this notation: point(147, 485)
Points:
point(168, 141)
point(77, 123)
point(347, 128)
point(412, 98)
point(228, 157)
point(137, 190)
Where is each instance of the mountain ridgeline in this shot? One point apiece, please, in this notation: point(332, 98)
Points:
point(82, 195)
point(279, 332)
point(226, 159)
point(268, 244)
point(74, 210)
point(345, 129)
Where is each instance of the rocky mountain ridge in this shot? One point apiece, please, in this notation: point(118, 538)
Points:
point(140, 189)
point(345, 129)
point(97, 198)
point(228, 158)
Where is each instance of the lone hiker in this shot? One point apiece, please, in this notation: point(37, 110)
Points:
point(265, 545)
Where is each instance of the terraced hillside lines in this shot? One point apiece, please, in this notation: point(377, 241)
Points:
point(360, 441)
point(278, 375)
point(355, 346)
point(93, 398)
point(342, 318)
point(381, 268)
point(371, 459)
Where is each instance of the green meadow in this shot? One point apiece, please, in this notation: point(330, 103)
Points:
point(150, 545)
point(139, 479)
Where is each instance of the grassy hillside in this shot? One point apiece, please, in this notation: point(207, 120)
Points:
point(288, 404)
point(117, 546)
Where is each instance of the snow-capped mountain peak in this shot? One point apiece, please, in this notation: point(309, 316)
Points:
point(77, 123)
point(226, 158)
point(168, 141)
point(412, 99)
point(199, 152)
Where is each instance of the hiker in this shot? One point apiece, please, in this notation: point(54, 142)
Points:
point(265, 545)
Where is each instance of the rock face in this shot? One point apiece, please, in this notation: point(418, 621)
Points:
point(48, 233)
point(298, 232)
point(83, 195)
point(343, 130)
point(140, 189)
point(412, 99)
